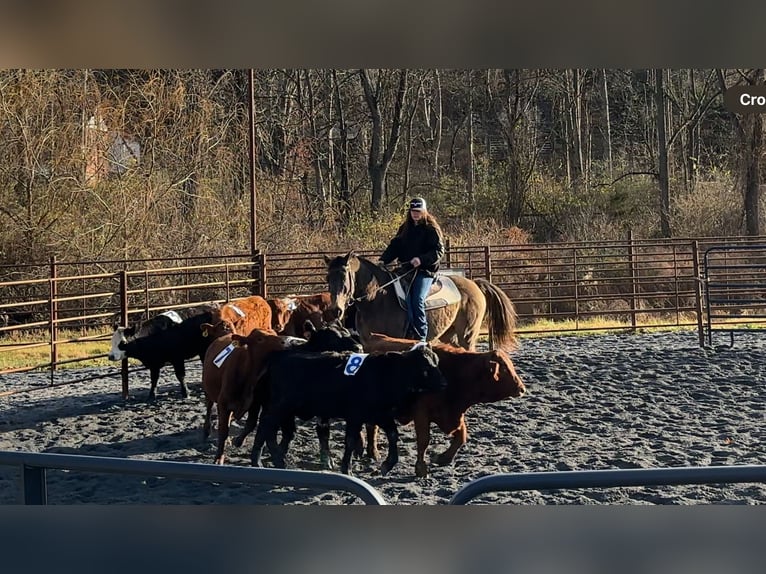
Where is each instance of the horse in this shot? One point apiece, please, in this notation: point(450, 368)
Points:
point(357, 281)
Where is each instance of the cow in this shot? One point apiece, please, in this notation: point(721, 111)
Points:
point(233, 363)
point(289, 314)
point(168, 338)
point(472, 378)
point(245, 314)
point(356, 388)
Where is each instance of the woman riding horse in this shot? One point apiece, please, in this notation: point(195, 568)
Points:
point(418, 245)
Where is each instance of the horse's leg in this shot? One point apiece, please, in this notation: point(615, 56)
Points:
point(392, 434)
point(179, 368)
point(422, 438)
point(459, 438)
point(323, 434)
point(372, 442)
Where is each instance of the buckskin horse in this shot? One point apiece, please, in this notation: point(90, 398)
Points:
point(357, 281)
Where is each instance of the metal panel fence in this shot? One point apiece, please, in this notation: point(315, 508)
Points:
point(33, 468)
point(609, 479)
point(50, 311)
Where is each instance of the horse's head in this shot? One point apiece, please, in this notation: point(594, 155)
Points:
point(341, 280)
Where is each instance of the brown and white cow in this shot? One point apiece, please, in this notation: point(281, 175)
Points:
point(289, 314)
point(472, 378)
point(245, 314)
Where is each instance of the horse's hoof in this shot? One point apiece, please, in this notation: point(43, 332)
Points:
point(421, 470)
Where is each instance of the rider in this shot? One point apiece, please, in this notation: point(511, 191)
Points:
point(417, 245)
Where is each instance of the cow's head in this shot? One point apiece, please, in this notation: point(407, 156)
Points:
point(281, 311)
point(332, 336)
point(499, 379)
point(215, 330)
point(263, 341)
point(117, 344)
point(425, 370)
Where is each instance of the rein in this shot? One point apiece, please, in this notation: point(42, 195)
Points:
point(353, 300)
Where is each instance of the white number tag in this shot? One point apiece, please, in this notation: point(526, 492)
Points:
point(354, 362)
point(223, 355)
point(173, 316)
point(237, 310)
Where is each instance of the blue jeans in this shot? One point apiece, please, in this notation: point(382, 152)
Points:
point(416, 308)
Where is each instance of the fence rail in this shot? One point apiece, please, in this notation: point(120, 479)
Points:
point(627, 284)
point(609, 479)
point(34, 490)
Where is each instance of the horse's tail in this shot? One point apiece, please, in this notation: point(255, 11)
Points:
point(501, 316)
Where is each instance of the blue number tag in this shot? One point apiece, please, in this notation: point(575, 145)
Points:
point(223, 355)
point(354, 362)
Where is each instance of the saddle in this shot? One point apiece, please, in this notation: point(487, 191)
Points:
point(443, 291)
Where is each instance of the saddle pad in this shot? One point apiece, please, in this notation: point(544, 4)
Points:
point(173, 316)
point(445, 293)
point(354, 362)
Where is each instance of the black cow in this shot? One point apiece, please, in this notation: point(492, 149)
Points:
point(321, 385)
point(164, 340)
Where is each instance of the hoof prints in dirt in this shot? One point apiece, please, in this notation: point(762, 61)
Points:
point(597, 402)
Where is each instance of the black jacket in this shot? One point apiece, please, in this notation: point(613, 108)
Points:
point(422, 241)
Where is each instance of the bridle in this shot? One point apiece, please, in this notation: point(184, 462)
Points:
point(352, 299)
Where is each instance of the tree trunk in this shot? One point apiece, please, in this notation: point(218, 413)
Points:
point(662, 154)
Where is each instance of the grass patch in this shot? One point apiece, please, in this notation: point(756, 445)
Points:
point(26, 349)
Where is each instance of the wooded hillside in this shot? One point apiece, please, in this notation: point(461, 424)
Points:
point(122, 163)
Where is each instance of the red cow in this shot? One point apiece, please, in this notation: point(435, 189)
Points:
point(472, 378)
point(289, 314)
point(245, 314)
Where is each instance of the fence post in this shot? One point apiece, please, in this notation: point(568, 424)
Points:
point(261, 259)
point(447, 253)
point(53, 313)
point(34, 487)
point(226, 281)
point(124, 320)
point(488, 263)
point(633, 280)
point(698, 292)
point(576, 290)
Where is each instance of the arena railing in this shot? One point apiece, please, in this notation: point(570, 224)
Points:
point(575, 479)
point(34, 489)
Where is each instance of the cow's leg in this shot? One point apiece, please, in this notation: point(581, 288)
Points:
point(422, 437)
point(267, 433)
point(392, 434)
point(224, 418)
point(208, 414)
point(372, 442)
point(459, 438)
point(288, 433)
point(179, 368)
point(323, 434)
point(154, 376)
point(250, 424)
point(350, 443)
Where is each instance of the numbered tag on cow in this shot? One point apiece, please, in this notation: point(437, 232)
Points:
point(173, 316)
point(354, 362)
point(237, 310)
point(223, 355)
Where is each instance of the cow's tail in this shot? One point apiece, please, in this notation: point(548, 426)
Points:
point(501, 316)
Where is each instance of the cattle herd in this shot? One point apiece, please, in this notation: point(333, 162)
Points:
point(268, 362)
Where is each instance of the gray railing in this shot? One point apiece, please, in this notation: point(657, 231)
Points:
point(608, 479)
point(34, 465)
